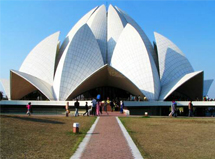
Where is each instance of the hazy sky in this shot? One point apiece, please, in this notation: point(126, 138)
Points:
point(189, 24)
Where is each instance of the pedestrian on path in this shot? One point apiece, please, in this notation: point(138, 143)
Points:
point(28, 109)
point(112, 106)
point(67, 109)
point(121, 107)
point(173, 109)
point(190, 107)
point(93, 106)
point(76, 107)
point(86, 108)
point(139, 98)
point(105, 107)
point(98, 108)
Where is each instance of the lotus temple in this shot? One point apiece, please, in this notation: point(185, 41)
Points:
point(106, 52)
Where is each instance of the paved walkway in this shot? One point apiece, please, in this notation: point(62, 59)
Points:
point(107, 140)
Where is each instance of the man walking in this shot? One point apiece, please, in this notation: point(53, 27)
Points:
point(190, 107)
point(86, 108)
point(173, 109)
point(76, 107)
point(94, 106)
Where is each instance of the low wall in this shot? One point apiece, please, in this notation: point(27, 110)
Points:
point(135, 107)
point(162, 108)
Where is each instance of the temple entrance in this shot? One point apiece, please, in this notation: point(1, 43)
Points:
point(35, 95)
point(112, 93)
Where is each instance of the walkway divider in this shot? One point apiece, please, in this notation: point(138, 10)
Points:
point(134, 150)
point(85, 141)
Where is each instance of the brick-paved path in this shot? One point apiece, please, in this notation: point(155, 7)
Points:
point(107, 141)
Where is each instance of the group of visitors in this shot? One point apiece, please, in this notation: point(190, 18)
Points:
point(97, 107)
point(174, 109)
point(137, 98)
point(206, 98)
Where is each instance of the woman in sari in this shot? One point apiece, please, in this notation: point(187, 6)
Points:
point(98, 104)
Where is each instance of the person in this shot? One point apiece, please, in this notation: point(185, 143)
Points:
point(86, 108)
point(98, 108)
point(173, 109)
point(139, 98)
point(112, 106)
point(117, 103)
point(121, 107)
point(28, 109)
point(76, 107)
point(89, 110)
point(93, 106)
point(190, 108)
point(105, 107)
point(67, 109)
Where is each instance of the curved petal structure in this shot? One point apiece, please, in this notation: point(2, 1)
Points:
point(131, 58)
point(6, 86)
point(98, 25)
point(207, 85)
point(172, 62)
point(195, 85)
point(72, 32)
point(146, 41)
point(106, 76)
point(82, 59)
point(23, 84)
point(115, 26)
point(40, 61)
point(108, 52)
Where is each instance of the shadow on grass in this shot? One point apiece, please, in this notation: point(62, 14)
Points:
point(71, 133)
point(35, 119)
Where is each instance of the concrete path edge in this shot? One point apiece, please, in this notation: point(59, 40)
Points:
point(134, 150)
point(85, 141)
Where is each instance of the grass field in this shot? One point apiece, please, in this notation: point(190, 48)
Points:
point(41, 136)
point(168, 138)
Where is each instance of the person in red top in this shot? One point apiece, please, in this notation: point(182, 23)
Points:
point(28, 109)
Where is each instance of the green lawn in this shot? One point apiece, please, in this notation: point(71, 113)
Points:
point(172, 138)
point(41, 136)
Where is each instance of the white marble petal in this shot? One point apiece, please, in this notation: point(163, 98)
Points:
point(172, 62)
point(176, 83)
point(98, 24)
point(146, 40)
point(39, 84)
point(132, 59)
point(72, 32)
point(115, 26)
point(207, 85)
point(6, 86)
point(82, 58)
point(40, 61)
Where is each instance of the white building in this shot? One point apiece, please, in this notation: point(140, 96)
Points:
point(106, 52)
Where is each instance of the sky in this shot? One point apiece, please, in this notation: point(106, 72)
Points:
point(189, 24)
